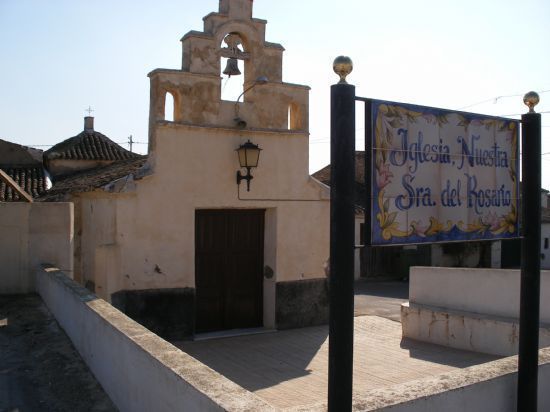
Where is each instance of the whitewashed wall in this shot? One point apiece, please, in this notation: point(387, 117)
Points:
point(31, 234)
point(470, 309)
point(138, 370)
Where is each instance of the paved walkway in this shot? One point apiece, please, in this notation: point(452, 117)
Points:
point(380, 298)
point(289, 368)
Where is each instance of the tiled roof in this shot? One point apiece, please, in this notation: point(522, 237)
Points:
point(89, 180)
point(16, 154)
point(323, 176)
point(32, 179)
point(89, 145)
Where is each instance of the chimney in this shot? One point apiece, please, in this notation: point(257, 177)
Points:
point(88, 124)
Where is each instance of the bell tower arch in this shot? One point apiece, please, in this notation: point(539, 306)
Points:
point(230, 33)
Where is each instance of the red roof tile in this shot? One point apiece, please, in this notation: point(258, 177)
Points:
point(89, 180)
point(88, 145)
point(31, 179)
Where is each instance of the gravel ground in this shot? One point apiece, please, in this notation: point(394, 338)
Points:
point(40, 370)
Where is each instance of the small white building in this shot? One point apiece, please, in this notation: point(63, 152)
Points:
point(178, 242)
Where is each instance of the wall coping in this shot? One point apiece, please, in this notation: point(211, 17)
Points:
point(231, 397)
point(466, 314)
point(376, 399)
point(220, 390)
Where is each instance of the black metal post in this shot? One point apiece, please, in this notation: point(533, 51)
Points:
point(342, 240)
point(530, 264)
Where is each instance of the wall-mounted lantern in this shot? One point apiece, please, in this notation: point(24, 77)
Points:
point(249, 153)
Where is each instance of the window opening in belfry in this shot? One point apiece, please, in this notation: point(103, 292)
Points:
point(169, 107)
point(232, 67)
point(293, 117)
point(289, 121)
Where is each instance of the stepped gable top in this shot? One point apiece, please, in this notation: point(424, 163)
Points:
point(232, 37)
point(88, 145)
point(201, 49)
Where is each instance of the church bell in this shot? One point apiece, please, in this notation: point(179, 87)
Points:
point(232, 67)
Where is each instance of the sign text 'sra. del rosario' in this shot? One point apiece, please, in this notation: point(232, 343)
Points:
point(441, 176)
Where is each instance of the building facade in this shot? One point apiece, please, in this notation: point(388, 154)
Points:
point(176, 242)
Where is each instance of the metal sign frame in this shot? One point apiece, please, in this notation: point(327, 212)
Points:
point(380, 222)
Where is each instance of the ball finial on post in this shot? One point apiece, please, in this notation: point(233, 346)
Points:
point(531, 99)
point(342, 66)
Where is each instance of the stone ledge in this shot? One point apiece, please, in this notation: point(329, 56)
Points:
point(495, 335)
point(463, 389)
point(123, 354)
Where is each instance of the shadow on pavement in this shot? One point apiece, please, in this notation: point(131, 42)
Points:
point(444, 355)
point(260, 361)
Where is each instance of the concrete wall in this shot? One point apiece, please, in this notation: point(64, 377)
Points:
point(485, 291)
point(31, 234)
point(471, 309)
point(489, 387)
point(141, 372)
point(138, 370)
point(465, 330)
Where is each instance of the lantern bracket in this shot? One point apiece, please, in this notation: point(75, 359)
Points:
point(248, 177)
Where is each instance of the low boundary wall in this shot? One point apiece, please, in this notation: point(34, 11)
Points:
point(31, 234)
point(489, 387)
point(138, 370)
point(471, 309)
point(142, 372)
point(486, 291)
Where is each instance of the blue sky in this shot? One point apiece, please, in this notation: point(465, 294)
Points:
point(60, 56)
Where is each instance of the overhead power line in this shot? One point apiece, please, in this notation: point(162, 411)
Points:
point(519, 114)
point(497, 98)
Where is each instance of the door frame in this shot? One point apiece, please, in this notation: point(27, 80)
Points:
point(261, 304)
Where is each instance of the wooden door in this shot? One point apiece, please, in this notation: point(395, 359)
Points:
point(229, 269)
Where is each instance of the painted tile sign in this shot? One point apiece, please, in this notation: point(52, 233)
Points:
point(441, 176)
